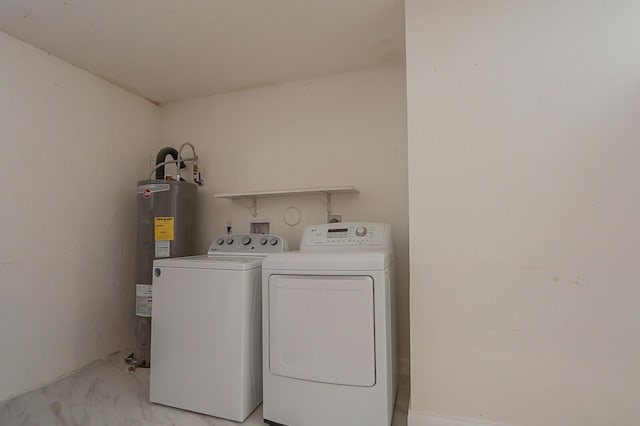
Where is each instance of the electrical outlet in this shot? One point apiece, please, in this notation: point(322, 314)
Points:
point(334, 218)
point(259, 227)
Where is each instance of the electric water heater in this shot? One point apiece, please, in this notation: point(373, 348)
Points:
point(166, 228)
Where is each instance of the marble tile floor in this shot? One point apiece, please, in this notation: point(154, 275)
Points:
point(106, 393)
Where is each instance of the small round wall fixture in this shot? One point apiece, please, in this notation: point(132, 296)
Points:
point(292, 216)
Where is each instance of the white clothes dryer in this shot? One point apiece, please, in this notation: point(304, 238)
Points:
point(206, 341)
point(328, 321)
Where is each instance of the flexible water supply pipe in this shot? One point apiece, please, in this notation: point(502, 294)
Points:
point(195, 161)
point(197, 176)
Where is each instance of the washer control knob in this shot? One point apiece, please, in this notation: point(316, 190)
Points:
point(263, 241)
point(220, 241)
point(246, 240)
point(361, 231)
point(229, 241)
point(274, 241)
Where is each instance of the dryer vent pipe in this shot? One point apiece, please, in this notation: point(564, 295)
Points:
point(160, 158)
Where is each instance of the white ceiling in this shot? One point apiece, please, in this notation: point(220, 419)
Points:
point(169, 50)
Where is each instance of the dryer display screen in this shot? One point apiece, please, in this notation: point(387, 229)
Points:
point(337, 233)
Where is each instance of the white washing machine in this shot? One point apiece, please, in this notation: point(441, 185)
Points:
point(329, 329)
point(206, 342)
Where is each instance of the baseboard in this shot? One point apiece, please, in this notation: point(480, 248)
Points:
point(417, 418)
point(404, 367)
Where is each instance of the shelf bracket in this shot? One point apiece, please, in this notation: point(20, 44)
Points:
point(326, 200)
point(253, 206)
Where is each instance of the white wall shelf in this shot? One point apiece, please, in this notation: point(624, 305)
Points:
point(290, 192)
point(325, 192)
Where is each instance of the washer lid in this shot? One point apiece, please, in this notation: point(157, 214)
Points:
point(229, 262)
point(373, 260)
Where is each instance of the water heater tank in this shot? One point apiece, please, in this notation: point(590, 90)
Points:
point(166, 228)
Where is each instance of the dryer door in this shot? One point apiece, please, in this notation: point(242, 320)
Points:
point(321, 328)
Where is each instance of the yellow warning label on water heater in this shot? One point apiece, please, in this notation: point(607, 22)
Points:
point(164, 228)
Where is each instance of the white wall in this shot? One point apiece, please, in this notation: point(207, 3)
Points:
point(73, 147)
point(524, 126)
point(347, 129)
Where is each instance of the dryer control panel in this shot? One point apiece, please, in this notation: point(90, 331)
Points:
point(347, 234)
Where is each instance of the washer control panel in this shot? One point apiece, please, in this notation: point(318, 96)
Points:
point(346, 234)
point(248, 244)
